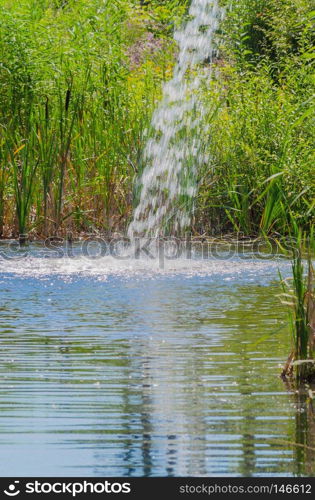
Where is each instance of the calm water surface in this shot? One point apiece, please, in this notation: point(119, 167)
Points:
point(121, 368)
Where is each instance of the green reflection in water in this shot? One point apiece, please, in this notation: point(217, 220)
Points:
point(157, 377)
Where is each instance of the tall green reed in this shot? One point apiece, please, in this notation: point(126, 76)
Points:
point(299, 295)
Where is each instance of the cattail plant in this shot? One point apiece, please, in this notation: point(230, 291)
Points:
point(24, 168)
point(4, 175)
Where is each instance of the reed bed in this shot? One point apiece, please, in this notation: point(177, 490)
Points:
point(260, 132)
point(78, 84)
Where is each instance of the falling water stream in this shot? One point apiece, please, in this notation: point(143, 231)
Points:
point(174, 152)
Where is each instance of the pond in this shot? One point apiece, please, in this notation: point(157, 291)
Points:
point(121, 368)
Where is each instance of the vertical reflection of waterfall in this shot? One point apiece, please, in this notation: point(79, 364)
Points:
point(248, 464)
point(146, 421)
point(165, 415)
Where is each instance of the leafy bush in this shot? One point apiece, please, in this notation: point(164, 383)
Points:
point(271, 29)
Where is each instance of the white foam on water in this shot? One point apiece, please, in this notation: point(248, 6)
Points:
point(237, 268)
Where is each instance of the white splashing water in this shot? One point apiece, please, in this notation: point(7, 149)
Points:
point(173, 154)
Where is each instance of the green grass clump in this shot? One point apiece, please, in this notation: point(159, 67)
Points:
point(299, 295)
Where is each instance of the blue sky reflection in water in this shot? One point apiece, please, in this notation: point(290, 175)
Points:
point(121, 368)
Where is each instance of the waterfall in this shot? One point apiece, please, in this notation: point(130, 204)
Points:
point(174, 151)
